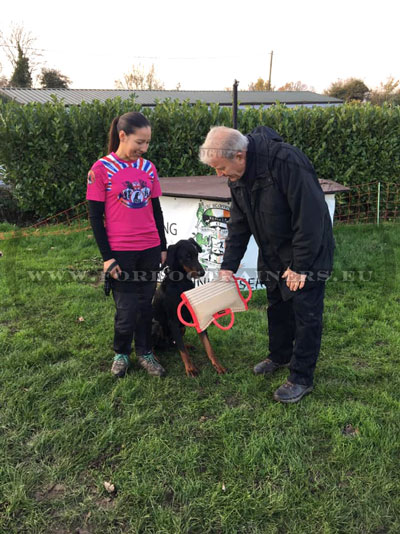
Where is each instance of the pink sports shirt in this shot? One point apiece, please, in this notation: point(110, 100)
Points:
point(126, 188)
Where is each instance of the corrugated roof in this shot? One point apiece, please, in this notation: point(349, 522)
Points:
point(148, 98)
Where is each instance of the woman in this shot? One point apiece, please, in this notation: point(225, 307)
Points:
point(124, 187)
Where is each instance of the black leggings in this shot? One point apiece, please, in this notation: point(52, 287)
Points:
point(133, 296)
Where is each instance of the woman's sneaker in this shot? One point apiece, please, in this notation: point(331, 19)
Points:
point(150, 363)
point(120, 365)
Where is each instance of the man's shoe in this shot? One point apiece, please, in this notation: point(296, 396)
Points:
point(120, 365)
point(290, 392)
point(150, 363)
point(267, 367)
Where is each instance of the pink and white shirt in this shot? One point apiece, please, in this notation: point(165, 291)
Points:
point(126, 188)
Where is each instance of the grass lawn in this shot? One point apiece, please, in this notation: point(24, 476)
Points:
point(211, 455)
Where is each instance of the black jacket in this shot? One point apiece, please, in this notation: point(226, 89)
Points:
point(280, 202)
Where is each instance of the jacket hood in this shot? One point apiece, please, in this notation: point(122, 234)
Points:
point(258, 154)
point(266, 132)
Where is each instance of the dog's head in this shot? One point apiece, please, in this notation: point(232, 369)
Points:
point(184, 257)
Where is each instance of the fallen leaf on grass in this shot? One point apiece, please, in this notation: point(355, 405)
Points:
point(109, 487)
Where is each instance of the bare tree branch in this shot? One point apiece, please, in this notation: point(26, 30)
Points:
point(139, 79)
point(19, 37)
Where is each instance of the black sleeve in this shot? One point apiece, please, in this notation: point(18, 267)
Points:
point(238, 237)
point(306, 200)
point(158, 217)
point(96, 216)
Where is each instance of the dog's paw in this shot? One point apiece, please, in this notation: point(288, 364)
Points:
point(220, 370)
point(192, 371)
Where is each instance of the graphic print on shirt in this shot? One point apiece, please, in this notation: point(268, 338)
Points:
point(135, 194)
point(113, 166)
point(91, 177)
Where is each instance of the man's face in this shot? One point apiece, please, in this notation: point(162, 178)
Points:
point(230, 168)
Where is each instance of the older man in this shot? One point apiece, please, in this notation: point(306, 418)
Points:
point(276, 197)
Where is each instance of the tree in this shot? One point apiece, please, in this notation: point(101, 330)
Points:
point(22, 76)
point(3, 79)
point(347, 90)
point(295, 86)
point(20, 39)
point(386, 92)
point(139, 79)
point(52, 79)
point(260, 85)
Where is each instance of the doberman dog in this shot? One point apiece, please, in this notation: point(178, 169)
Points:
point(182, 266)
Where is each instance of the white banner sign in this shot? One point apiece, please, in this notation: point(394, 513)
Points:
point(206, 222)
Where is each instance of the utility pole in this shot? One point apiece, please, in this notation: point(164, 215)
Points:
point(270, 70)
point(235, 103)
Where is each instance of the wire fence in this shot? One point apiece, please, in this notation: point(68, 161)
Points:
point(77, 215)
point(75, 219)
point(373, 202)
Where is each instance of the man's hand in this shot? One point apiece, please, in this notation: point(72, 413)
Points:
point(115, 271)
point(163, 257)
point(294, 280)
point(225, 276)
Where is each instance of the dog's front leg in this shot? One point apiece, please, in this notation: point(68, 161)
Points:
point(210, 353)
point(175, 330)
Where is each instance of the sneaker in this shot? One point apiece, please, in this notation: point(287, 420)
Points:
point(150, 363)
point(289, 392)
point(120, 365)
point(267, 367)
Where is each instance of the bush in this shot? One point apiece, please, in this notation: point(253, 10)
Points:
point(48, 148)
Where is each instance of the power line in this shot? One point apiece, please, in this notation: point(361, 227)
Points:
point(139, 57)
point(24, 47)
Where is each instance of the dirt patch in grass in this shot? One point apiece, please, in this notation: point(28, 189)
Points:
point(233, 401)
point(56, 491)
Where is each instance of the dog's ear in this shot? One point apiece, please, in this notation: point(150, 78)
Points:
point(198, 247)
point(171, 251)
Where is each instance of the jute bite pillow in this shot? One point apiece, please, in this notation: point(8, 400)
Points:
point(211, 301)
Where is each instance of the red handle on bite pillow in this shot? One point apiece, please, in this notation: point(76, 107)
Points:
point(223, 314)
point(179, 314)
point(236, 278)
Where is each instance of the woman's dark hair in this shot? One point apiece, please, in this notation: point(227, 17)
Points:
point(129, 123)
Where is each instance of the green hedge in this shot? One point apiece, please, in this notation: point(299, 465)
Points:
point(48, 148)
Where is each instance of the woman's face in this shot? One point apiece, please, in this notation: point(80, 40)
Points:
point(134, 145)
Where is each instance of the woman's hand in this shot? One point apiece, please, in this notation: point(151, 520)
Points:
point(115, 271)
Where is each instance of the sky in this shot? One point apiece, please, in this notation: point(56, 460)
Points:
point(207, 44)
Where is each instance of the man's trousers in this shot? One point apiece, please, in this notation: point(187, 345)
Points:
point(295, 330)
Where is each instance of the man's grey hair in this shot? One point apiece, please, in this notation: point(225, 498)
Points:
point(222, 142)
